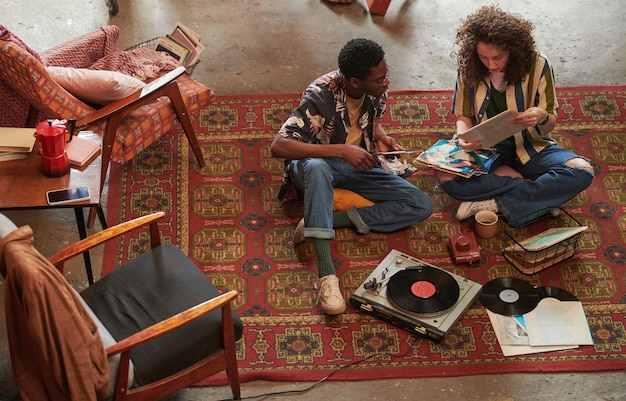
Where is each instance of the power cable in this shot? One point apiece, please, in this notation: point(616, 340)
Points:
point(310, 387)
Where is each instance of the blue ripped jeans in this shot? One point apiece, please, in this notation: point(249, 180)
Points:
point(548, 182)
point(398, 203)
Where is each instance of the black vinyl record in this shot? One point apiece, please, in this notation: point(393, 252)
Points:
point(423, 289)
point(509, 296)
point(555, 292)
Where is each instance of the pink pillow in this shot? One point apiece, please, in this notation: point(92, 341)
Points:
point(95, 86)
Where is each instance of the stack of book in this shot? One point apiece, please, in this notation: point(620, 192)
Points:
point(182, 43)
point(16, 143)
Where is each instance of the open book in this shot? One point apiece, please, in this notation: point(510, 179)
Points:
point(447, 156)
point(493, 130)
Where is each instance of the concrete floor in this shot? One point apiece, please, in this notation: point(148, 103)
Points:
point(272, 46)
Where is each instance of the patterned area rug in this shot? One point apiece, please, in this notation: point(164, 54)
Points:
point(227, 219)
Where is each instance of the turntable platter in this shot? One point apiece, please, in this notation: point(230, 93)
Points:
point(423, 290)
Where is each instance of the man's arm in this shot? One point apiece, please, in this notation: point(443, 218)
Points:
point(293, 149)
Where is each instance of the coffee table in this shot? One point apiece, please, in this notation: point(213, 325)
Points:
point(23, 186)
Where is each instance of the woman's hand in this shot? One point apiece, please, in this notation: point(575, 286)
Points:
point(462, 125)
point(469, 146)
point(531, 116)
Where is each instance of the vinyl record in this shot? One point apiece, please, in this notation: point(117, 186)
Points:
point(423, 289)
point(509, 296)
point(555, 292)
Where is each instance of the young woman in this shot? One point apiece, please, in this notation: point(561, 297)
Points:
point(499, 69)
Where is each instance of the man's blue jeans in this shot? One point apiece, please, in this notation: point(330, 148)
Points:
point(548, 182)
point(398, 203)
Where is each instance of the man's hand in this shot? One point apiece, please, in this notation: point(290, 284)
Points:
point(384, 142)
point(358, 157)
point(387, 144)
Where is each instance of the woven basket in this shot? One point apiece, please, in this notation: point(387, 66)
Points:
point(152, 43)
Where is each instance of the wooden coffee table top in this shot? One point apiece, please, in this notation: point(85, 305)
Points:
point(23, 185)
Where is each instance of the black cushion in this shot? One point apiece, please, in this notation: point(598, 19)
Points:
point(156, 285)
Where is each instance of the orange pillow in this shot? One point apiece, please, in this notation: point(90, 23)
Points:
point(345, 199)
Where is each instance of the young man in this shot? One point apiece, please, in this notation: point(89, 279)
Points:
point(329, 141)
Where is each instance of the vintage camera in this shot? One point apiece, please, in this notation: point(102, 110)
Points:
point(464, 248)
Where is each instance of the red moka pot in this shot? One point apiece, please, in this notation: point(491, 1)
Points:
point(51, 135)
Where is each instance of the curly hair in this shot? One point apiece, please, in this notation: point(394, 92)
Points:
point(358, 57)
point(493, 26)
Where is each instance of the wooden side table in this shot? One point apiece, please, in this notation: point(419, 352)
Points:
point(23, 186)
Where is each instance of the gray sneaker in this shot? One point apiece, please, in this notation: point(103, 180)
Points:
point(329, 295)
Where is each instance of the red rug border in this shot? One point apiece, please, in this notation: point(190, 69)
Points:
point(416, 91)
point(344, 373)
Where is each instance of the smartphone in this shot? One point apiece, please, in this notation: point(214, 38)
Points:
point(69, 195)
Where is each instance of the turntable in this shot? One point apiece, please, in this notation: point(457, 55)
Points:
point(415, 296)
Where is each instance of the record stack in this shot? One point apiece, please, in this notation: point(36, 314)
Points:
point(529, 319)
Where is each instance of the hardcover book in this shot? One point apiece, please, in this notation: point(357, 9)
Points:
point(17, 139)
point(170, 46)
point(81, 152)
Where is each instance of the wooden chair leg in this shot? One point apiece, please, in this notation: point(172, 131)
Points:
point(173, 92)
point(91, 218)
point(96, 211)
point(108, 140)
point(231, 355)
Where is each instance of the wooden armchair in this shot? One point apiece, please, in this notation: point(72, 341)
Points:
point(128, 127)
point(157, 318)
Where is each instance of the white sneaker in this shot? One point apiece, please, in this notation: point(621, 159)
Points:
point(298, 237)
point(468, 209)
point(555, 212)
point(329, 295)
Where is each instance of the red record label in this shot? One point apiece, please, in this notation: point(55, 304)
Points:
point(423, 289)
